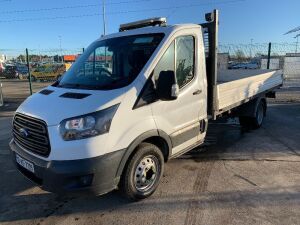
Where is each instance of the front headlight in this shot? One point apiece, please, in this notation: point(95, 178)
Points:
point(88, 125)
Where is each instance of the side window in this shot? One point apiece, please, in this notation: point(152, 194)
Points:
point(166, 62)
point(185, 53)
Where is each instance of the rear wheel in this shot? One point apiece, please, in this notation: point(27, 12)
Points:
point(254, 122)
point(259, 115)
point(143, 172)
point(245, 122)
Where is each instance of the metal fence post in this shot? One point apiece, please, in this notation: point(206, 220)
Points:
point(29, 74)
point(269, 56)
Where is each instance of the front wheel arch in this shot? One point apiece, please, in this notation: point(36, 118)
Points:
point(156, 137)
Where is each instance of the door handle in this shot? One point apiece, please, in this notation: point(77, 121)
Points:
point(197, 92)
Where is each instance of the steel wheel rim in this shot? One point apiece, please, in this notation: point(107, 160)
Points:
point(146, 173)
point(260, 114)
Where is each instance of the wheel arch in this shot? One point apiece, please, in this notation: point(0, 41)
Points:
point(249, 109)
point(156, 137)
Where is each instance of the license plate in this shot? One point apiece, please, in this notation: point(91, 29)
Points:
point(24, 163)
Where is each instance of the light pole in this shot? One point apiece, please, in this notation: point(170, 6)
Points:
point(104, 27)
point(251, 46)
point(40, 53)
point(61, 56)
point(104, 19)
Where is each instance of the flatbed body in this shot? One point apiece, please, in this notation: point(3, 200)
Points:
point(235, 87)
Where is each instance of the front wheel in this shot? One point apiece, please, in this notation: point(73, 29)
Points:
point(143, 172)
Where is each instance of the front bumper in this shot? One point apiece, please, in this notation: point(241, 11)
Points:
point(96, 175)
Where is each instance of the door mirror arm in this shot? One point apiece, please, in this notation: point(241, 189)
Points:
point(175, 91)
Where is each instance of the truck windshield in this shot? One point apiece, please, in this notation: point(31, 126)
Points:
point(111, 63)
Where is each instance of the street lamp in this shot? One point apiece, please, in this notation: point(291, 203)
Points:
point(59, 37)
point(104, 19)
point(251, 46)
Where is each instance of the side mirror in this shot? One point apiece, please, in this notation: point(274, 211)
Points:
point(167, 88)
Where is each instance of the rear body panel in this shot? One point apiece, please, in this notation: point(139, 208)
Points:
point(232, 91)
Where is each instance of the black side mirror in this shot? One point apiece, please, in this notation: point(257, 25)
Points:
point(167, 88)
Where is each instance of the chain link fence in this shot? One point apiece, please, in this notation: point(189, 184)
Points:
point(44, 66)
point(47, 65)
point(282, 56)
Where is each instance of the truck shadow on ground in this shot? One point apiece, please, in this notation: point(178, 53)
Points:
point(42, 206)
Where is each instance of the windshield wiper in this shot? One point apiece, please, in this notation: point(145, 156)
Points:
point(75, 86)
point(121, 82)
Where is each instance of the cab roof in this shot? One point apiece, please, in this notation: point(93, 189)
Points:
point(148, 30)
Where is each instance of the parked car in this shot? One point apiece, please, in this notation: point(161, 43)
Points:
point(244, 66)
point(1, 68)
point(251, 66)
point(22, 71)
point(48, 72)
point(10, 72)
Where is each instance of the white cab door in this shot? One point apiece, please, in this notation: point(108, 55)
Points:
point(180, 118)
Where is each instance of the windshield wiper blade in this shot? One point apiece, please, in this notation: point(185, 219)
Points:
point(68, 85)
point(114, 84)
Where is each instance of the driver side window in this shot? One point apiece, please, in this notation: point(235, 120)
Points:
point(185, 58)
point(167, 62)
point(180, 58)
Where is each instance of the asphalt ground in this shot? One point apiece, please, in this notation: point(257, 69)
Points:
point(235, 178)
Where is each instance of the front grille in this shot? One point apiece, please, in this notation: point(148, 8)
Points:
point(31, 134)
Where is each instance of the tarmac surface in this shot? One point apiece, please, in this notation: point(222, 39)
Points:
point(235, 178)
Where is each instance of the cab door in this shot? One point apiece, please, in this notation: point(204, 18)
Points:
point(180, 118)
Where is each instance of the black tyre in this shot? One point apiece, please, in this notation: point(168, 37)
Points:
point(142, 173)
point(257, 121)
point(254, 122)
point(245, 122)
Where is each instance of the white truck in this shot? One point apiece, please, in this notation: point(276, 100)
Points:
point(113, 127)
